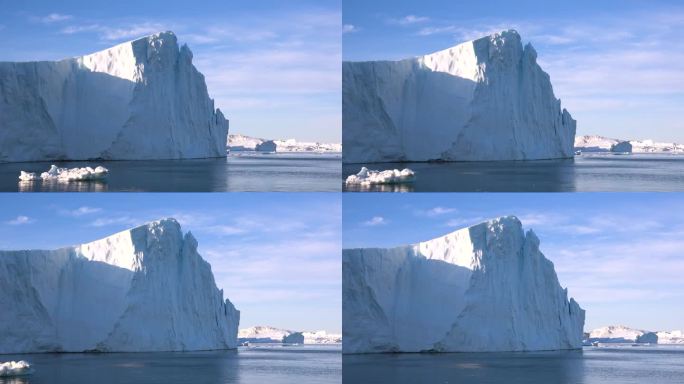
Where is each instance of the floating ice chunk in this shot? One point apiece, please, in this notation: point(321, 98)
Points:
point(28, 176)
point(74, 174)
point(394, 176)
point(14, 368)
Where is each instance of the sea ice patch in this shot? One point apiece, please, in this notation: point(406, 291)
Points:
point(67, 174)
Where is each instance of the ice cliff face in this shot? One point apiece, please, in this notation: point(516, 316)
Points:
point(142, 99)
point(484, 288)
point(486, 99)
point(145, 289)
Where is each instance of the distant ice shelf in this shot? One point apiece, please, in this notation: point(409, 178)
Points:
point(624, 334)
point(267, 334)
point(595, 143)
point(240, 143)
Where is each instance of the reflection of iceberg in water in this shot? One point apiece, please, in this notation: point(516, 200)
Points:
point(62, 186)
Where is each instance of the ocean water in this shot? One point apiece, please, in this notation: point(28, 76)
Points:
point(585, 173)
point(604, 365)
point(247, 365)
point(286, 172)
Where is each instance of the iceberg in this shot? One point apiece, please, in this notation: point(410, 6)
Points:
point(367, 177)
point(238, 143)
point(138, 100)
point(479, 289)
point(595, 143)
point(294, 338)
point(67, 174)
point(267, 334)
point(15, 368)
point(624, 334)
point(481, 100)
point(144, 289)
point(266, 146)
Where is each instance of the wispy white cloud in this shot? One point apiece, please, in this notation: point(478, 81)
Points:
point(54, 18)
point(435, 211)
point(409, 20)
point(81, 211)
point(110, 33)
point(20, 220)
point(375, 220)
point(116, 220)
point(463, 222)
point(349, 28)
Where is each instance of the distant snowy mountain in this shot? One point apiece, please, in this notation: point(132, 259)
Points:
point(239, 142)
point(624, 334)
point(486, 99)
point(594, 143)
point(144, 289)
point(484, 288)
point(142, 99)
point(266, 334)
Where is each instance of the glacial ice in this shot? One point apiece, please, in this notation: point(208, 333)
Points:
point(486, 99)
point(594, 143)
point(266, 146)
point(624, 334)
point(239, 143)
point(144, 289)
point(367, 177)
point(267, 334)
point(484, 288)
point(294, 338)
point(15, 368)
point(142, 99)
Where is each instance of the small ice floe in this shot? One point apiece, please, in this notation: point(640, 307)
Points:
point(368, 177)
point(28, 176)
point(67, 174)
point(15, 368)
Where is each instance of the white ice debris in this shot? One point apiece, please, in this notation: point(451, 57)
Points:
point(141, 99)
point(239, 143)
point(486, 99)
point(28, 176)
point(484, 288)
point(15, 368)
point(144, 289)
point(594, 143)
point(67, 174)
point(321, 337)
point(672, 337)
point(368, 177)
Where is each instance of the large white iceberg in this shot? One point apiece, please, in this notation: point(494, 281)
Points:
point(624, 334)
point(486, 99)
point(144, 289)
point(142, 99)
point(484, 288)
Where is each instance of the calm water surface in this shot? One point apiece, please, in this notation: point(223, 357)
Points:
point(297, 172)
point(588, 172)
point(653, 365)
point(247, 365)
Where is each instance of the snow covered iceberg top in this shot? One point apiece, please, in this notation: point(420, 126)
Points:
point(142, 99)
point(483, 288)
point(485, 99)
point(143, 289)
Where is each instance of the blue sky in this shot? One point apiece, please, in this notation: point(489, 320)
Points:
point(273, 67)
point(276, 257)
point(617, 66)
point(620, 255)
